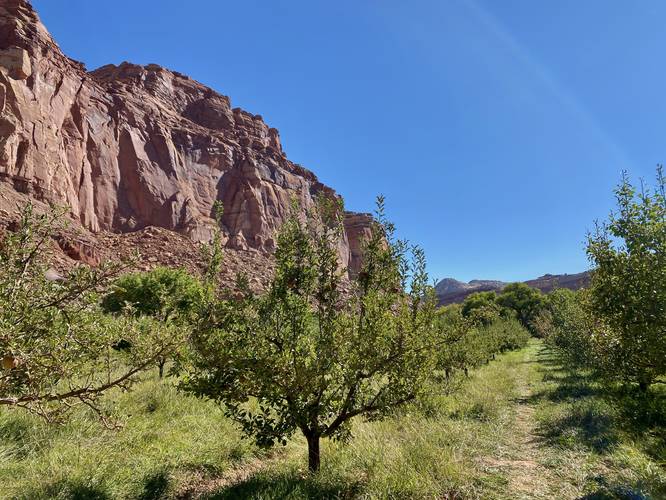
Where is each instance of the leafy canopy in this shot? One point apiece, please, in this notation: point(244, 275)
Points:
point(628, 290)
point(309, 355)
point(163, 293)
point(524, 300)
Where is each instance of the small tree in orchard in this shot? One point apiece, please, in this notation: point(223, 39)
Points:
point(525, 301)
point(628, 290)
point(306, 356)
point(56, 346)
point(481, 307)
point(168, 295)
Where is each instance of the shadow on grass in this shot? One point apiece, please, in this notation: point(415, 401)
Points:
point(69, 489)
point(588, 424)
point(17, 433)
point(155, 486)
point(619, 494)
point(597, 412)
point(615, 492)
point(286, 485)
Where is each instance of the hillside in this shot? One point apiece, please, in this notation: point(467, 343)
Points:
point(451, 291)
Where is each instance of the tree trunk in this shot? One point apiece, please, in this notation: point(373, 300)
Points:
point(160, 365)
point(314, 458)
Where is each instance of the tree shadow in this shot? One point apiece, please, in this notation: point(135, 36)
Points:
point(609, 492)
point(16, 433)
point(155, 486)
point(286, 485)
point(69, 489)
point(599, 411)
point(588, 425)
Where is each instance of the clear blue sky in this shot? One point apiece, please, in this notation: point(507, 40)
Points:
point(496, 129)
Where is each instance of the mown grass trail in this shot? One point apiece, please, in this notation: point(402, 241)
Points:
point(523, 457)
point(523, 426)
point(578, 437)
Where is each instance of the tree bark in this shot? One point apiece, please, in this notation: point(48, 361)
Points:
point(314, 457)
point(160, 365)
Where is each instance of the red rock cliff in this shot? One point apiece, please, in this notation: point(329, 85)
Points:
point(130, 146)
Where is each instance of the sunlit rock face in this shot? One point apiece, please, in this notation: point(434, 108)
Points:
point(128, 146)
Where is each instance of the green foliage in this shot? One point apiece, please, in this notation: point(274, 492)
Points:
point(306, 357)
point(567, 325)
point(481, 307)
point(168, 295)
point(55, 344)
point(628, 290)
point(212, 253)
point(163, 293)
point(175, 446)
point(525, 301)
point(471, 341)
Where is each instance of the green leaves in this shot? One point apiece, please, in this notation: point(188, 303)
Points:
point(162, 293)
point(61, 343)
point(628, 292)
point(525, 301)
point(314, 352)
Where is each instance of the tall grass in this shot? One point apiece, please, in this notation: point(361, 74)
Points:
point(588, 441)
point(166, 436)
point(613, 435)
point(171, 443)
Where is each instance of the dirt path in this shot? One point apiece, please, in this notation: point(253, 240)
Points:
point(200, 487)
point(527, 477)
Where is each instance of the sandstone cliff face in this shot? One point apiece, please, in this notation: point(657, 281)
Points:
point(127, 147)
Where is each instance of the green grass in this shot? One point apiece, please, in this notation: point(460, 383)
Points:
point(459, 445)
point(166, 436)
point(603, 440)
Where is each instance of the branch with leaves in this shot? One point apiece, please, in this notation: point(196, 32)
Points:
point(56, 345)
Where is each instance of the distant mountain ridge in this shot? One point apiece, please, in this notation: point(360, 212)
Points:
point(451, 291)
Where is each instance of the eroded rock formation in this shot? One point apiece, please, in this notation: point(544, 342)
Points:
point(127, 147)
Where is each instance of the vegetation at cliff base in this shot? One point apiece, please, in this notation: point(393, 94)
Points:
point(322, 386)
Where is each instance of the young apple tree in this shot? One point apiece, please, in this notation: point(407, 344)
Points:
point(628, 290)
point(56, 346)
point(170, 296)
point(309, 354)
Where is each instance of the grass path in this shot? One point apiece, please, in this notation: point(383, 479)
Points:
point(520, 459)
point(570, 438)
point(526, 477)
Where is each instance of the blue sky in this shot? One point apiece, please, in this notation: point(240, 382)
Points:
point(496, 129)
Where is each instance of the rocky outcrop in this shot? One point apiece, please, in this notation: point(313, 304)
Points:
point(358, 229)
point(127, 147)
